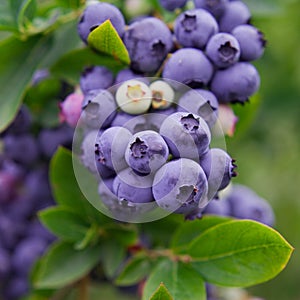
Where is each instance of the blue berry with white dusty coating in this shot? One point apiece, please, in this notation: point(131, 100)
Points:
point(95, 14)
point(246, 204)
point(127, 74)
point(132, 188)
point(110, 147)
point(189, 66)
point(98, 109)
point(223, 49)
point(194, 27)
point(172, 4)
point(95, 78)
point(219, 168)
point(236, 13)
point(219, 207)
point(251, 41)
point(186, 134)
point(215, 7)
point(200, 102)
point(146, 152)
point(148, 42)
point(236, 83)
point(180, 186)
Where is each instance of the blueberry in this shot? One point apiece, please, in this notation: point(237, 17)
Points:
point(26, 253)
point(251, 40)
point(110, 147)
point(172, 4)
point(99, 109)
point(223, 49)
point(186, 134)
point(134, 97)
point(132, 188)
point(134, 123)
point(97, 13)
point(200, 102)
point(235, 13)
point(70, 109)
point(22, 149)
point(180, 186)
point(127, 74)
point(88, 156)
point(162, 94)
point(17, 287)
point(146, 152)
point(236, 83)
point(4, 263)
point(157, 116)
point(148, 42)
point(95, 78)
point(50, 139)
point(219, 207)
point(194, 27)
point(246, 204)
point(188, 66)
point(219, 168)
point(215, 7)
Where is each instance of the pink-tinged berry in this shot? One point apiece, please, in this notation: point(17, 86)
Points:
point(70, 109)
point(227, 119)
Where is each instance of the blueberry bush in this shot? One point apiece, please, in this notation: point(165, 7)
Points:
point(116, 181)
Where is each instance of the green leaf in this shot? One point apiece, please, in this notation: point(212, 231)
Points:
point(63, 265)
point(181, 280)
point(266, 7)
point(7, 21)
point(125, 234)
point(106, 39)
point(161, 293)
point(188, 231)
point(27, 11)
point(135, 270)
point(18, 61)
point(112, 255)
point(239, 253)
point(64, 223)
point(70, 66)
point(66, 190)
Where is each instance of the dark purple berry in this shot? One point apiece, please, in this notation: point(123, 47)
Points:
point(97, 13)
point(188, 66)
point(236, 83)
point(223, 50)
point(215, 7)
point(194, 27)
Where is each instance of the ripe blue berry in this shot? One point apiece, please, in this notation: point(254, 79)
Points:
point(219, 168)
point(188, 66)
point(251, 40)
point(200, 102)
point(172, 4)
point(99, 109)
point(236, 83)
point(219, 207)
point(223, 49)
point(194, 27)
point(246, 204)
point(134, 123)
point(186, 134)
point(180, 186)
point(110, 147)
point(132, 188)
point(148, 42)
point(95, 78)
point(127, 74)
point(235, 13)
point(95, 14)
point(146, 152)
point(215, 7)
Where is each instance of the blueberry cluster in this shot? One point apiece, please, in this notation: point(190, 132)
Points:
point(243, 203)
point(209, 46)
point(151, 149)
point(24, 190)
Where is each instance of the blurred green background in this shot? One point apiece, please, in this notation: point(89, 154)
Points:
point(267, 145)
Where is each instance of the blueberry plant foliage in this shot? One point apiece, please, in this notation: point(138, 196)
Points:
point(168, 258)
